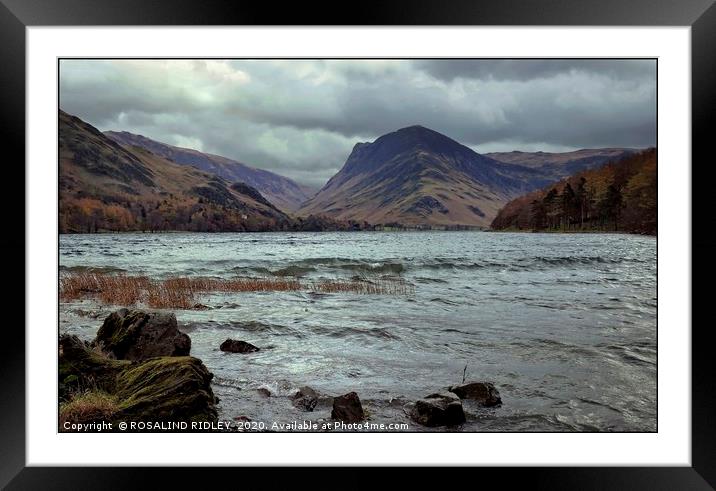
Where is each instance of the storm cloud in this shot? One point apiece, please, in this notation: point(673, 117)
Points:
point(301, 118)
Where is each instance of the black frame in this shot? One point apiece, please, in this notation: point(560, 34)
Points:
point(16, 15)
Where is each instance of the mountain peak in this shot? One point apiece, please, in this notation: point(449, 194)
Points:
point(418, 137)
point(415, 127)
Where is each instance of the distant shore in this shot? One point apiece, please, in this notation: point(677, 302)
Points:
point(592, 231)
point(515, 230)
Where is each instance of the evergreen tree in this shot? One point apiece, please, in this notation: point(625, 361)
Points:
point(568, 205)
point(538, 215)
point(552, 208)
point(582, 200)
point(610, 206)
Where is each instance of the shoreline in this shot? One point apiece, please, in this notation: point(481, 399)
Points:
point(517, 231)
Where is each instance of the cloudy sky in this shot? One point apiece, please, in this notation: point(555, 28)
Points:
point(302, 118)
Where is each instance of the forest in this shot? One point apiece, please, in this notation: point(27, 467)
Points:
point(620, 196)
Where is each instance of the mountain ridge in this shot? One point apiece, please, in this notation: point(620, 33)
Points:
point(279, 190)
point(558, 165)
point(104, 185)
point(418, 176)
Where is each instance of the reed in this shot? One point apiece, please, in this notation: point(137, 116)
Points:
point(182, 292)
point(167, 295)
point(112, 289)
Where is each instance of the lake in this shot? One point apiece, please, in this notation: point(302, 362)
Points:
point(563, 324)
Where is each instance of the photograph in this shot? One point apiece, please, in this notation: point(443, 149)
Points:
point(357, 245)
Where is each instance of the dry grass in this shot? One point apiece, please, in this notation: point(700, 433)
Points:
point(161, 295)
point(201, 285)
point(113, 289)
point(87, 407)
point(182, 292)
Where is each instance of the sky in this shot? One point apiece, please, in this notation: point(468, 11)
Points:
point(301, 118)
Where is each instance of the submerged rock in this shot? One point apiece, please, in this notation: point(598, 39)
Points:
point(348, 408)
point(306, 399)
point(138, 335)
point(234, 346)
point(442, 409)
point(484, 393)
point(162, 389)
point(264, 391)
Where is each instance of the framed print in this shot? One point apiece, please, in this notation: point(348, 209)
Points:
point(441, 236)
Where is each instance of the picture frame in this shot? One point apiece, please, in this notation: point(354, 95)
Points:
point(17, 15)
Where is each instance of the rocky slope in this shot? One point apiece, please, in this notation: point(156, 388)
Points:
point(105, 186)
point(281, 191)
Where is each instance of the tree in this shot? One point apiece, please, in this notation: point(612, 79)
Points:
point(610, 206)
point(582, 200)
point(552, 208)
point(538, 215)
point(568, 205)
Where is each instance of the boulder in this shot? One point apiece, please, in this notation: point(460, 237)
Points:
point(169, 388)
point(139, 335)
point(264, 391)
point(234, 346)
point(348, 408)
point(442, 409)
point(305, 399)
point(484, 393)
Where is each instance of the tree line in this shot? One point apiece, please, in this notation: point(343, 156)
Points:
point(618, 196)
point(577, 209)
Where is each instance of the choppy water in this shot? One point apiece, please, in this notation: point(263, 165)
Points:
point(564, 325)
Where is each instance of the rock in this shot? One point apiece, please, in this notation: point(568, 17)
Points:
point(79, 364)
point(264, 391)
point(234, 346)
point(174, 388)
point(348, 408)
point(139, 335)
point(162, 389)
point(442, 409)
point(484, 393)
point(306, 399)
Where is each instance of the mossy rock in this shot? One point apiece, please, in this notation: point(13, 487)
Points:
point(176, 388)
point(81, 368)
point(138, 335)
point(166, 388)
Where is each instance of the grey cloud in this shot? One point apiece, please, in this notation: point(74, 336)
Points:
point(530, 69)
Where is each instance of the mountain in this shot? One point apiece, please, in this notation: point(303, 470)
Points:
point(618, 196)
point(113, 187)
point(555, 166)
point(417, 176)
point(281, 191)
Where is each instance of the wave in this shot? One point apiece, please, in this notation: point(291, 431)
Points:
point(91, 269)
point(522, 263)
point(296, 271)
point(341, 332)
point(246, 326)
point(394, 266)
